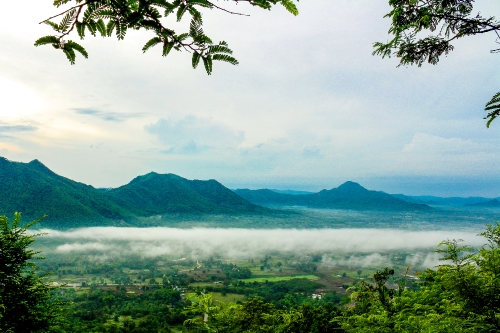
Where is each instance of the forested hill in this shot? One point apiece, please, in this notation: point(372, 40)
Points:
point(159, 193)
point(349, 195)
point(34, 190)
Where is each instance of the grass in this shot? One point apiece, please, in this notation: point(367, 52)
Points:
point(280, 278)
point(217, 297)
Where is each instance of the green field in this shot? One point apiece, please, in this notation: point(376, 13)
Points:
point(275, 278)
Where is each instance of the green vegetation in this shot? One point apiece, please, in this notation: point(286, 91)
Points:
point(280, 278)
point(26, 304)
point(105, 17)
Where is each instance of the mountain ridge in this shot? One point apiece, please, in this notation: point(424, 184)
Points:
point(35, 190)
point(349, 195)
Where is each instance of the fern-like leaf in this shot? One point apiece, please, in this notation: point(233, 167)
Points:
point(290, 6)
point(152, 42)
point(67, 20)
point(54, 26)
point(494, 107)
point(225, 58)
point(121, 30)
point(202, 3)
point(180, 12)
point(167, 47)
point(110, 27)
point(101, 27)
point(195, 14)
point(47, 40)
point(77, 47)
point(80, 29)
point(207, 62)
point(58, 3)
point(219, 49)
point(196, 59)
point(70, 53)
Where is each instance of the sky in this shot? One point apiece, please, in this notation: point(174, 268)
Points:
point(307, 108)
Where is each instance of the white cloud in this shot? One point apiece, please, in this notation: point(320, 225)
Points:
point(428, 144)
point(236, 243)
point(191, 135)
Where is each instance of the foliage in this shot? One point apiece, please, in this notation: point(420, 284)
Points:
point(105, 17)
point(26, 304)
point(256, 315)
point(447, 20)
point(462, 295)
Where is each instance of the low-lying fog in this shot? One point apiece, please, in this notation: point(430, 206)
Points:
point(360, 247)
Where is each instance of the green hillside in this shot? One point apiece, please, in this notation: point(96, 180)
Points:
point(34, 190)
point(160, 193)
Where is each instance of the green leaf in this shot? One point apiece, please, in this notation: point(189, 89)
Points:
point(225, 58)
point(290, 6)
point(201, 3)
point(180, 12)
point(494, 107)
point(110, 27)
point(207, 62)
point(167, 46)
point(54, 26)
point(152, 42)
point(80, 29)
point(196, 59)
point(101, 27)
point(67, 20)
point(77, 47)
point(121, 30)
point(70, 53)
point(221, 48)
point(47, 40)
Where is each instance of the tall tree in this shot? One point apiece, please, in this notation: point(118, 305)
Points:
point(117, 16)
point(447, 21)
point(26, 304)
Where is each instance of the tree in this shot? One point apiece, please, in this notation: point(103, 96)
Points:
point(26, 304)
point(462, 295)
point(448, 20)
point(108, 16)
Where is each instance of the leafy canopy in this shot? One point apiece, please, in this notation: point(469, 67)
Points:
point(447, 20)
point(26, 304)
point(105, 17)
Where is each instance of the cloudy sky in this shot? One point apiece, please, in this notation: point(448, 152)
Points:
point(308, 107)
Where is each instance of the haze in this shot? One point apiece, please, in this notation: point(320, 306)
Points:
point(246, 243)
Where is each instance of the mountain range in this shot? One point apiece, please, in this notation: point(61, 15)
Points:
point(34, 190)
point(349, 195)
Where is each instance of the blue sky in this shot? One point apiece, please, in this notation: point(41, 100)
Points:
point(308, 107)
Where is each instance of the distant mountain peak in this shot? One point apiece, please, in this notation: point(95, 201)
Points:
point(351, 187)
point(39, 166)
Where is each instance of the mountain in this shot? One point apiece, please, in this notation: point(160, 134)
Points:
point(349, 195)
point(494, 203)
point(34, 190)
point(448, 201)
point(160, 193)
